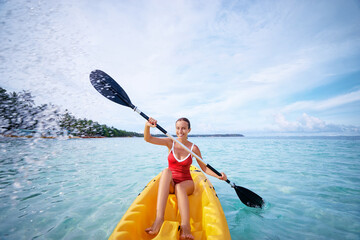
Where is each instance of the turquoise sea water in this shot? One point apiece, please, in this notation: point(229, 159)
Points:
point(80, 188)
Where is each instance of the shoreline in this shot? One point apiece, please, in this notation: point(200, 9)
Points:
point(49, 137)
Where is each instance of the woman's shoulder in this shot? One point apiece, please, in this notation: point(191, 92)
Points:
point(169, 142)
point(195, 147)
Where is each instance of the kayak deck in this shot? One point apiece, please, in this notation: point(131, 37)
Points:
point(207, 218)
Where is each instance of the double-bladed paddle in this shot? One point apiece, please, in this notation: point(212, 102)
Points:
point(110, 89)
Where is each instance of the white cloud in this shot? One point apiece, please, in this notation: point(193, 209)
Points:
point(322, 105)
point(310, 124)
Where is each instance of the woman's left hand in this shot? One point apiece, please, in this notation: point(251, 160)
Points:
point(223, 176)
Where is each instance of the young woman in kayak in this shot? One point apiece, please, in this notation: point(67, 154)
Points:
point(176, 178)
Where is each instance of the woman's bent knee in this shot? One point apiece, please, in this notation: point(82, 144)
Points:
point(167, 172)
point(167, 178)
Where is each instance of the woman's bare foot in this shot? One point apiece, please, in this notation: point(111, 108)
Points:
point(155, 228)
point(185, 233)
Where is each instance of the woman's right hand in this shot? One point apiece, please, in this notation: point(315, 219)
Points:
point(151, 122)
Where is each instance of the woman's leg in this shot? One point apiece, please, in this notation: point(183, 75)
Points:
point(166, 185)
point(182, 190)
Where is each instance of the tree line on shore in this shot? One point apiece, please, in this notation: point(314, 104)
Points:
point(20, 116)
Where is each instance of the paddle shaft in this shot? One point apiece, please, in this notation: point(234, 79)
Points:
point(182, 145)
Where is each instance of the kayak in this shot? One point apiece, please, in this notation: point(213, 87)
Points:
point(207, 218)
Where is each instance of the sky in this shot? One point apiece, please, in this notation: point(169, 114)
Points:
point(249, 67)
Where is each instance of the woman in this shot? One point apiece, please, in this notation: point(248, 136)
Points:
point(176, 178)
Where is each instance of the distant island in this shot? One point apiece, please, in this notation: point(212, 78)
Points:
point(216, 135)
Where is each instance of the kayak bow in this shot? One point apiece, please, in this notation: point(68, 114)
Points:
point(207, 218)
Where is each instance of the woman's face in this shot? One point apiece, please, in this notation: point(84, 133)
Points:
point(182, 129)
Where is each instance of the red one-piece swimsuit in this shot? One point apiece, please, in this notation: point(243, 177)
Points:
point(180, 169)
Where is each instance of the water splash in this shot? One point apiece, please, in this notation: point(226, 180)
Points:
point(19, 116)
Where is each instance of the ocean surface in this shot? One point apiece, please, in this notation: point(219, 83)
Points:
point(80, 188)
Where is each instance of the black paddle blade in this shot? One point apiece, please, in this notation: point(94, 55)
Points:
point(109, 88)
point(248, 197)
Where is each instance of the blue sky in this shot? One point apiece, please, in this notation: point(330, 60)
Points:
point(251, 67)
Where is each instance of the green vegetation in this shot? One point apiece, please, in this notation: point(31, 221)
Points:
point(84, 127)
point(20, 116)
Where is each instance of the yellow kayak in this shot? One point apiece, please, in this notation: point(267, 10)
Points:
point(207, 218)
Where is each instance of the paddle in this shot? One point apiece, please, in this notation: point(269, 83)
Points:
point(107, 86)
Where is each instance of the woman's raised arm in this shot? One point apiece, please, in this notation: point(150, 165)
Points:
point(155, 140)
